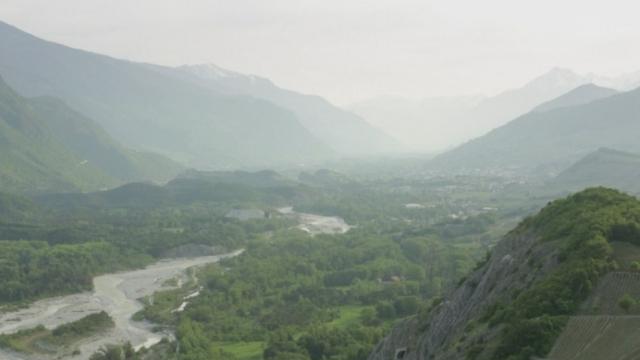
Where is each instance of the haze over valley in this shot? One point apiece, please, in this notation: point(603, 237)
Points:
point(402, 181)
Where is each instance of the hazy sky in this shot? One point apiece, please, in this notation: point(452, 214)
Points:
point(348, 50)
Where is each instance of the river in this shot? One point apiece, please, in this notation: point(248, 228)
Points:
point(116, 294)
point(316, 224)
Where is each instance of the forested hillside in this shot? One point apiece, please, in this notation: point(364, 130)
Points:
point(516, 303)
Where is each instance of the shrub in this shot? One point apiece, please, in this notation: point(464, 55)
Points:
point(627, 302)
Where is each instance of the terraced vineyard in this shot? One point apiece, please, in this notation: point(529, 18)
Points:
point(604, 330)
point(625, 254)
point(599, 337)
point(611, 288)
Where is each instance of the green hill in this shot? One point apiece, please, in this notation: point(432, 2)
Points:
point(189, 188)
point(46, 146)
point(603, 167)
point(517, 302)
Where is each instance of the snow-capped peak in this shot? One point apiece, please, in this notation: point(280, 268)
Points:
point(209, 71)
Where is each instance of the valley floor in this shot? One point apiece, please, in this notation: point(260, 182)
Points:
point(117, 294)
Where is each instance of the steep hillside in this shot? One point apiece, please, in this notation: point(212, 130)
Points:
point(148, 110)
point(554, 138)
point(516, 303)
point(581, 95)
point(344, 132)
point(49, 147)
point(89, 141)
point(603, 167)
point(32, 159)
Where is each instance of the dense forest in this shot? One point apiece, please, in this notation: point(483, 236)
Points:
point(321, 297)
point(77, 236)
point(45, 253)
point(289, 295)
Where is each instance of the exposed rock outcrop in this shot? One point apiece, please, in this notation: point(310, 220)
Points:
point(451, 327)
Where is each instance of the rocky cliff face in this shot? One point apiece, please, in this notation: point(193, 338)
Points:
point(452, 328)
point(517, 303)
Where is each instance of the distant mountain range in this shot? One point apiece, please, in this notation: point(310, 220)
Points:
point(343, 131)
point(556, 138)
point(435, 124)
point(211, 118)
point(192, 115)
point(46, 146)
point(581, 95)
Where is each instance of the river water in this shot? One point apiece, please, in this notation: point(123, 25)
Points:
point(116, 294)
